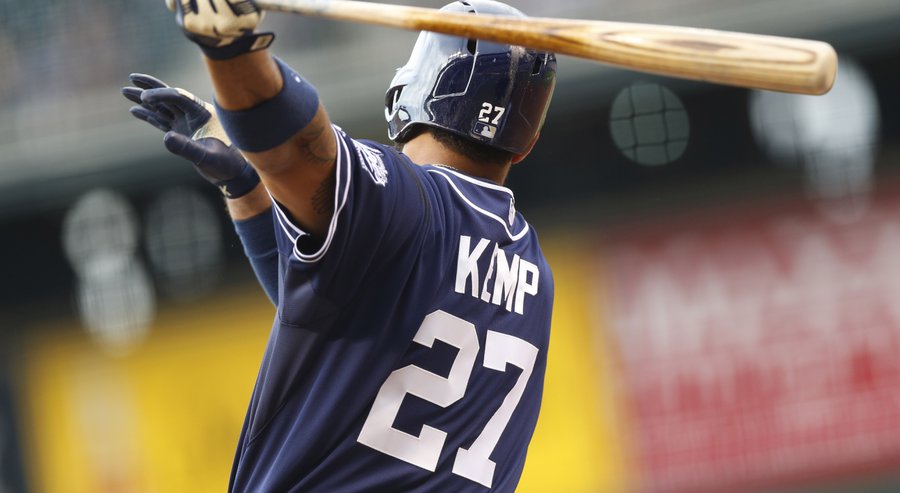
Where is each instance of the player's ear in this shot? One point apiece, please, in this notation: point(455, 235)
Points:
point(519, 157)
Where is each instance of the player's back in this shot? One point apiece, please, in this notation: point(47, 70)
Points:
point(410, 347)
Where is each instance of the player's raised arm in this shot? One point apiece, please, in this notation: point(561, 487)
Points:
point(193, 132)
point(271, 113)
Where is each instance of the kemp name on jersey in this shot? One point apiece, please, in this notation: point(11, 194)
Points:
point(512, 280)
point(409, 348)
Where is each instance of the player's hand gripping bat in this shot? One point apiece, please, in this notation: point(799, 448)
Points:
point(735, 59)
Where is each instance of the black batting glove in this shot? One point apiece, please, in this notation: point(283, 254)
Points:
point(192, 132)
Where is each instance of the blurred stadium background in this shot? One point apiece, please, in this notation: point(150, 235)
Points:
point(727, 262)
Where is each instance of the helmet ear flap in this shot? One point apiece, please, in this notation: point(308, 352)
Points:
point(396, 114)
point(392, 100)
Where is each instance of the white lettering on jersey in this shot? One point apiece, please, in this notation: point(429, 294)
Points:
point(424, 450)
point(524, 287)
point(507, 280)
point(373, 162)
point(467, 263)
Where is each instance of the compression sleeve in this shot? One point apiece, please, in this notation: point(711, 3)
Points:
point(258, 238)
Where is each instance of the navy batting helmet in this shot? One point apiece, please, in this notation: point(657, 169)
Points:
point(491, 93)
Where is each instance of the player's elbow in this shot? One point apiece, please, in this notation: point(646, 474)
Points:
point(315, 146)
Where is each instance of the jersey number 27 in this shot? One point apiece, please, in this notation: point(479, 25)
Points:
point(424, 450)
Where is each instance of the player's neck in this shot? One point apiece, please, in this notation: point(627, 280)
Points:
point(424, 149)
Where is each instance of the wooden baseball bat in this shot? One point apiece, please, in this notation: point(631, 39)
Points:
point(721, 57)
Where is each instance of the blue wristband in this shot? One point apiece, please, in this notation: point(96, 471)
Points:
point(240, 46)
point(272, 122)
point(240, 185)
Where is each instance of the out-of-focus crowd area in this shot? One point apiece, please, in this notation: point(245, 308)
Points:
point(727, 262)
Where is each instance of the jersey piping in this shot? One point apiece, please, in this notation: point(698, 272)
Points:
point(342, 162)
point(513, 237)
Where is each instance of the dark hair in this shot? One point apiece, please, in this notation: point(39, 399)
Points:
point(476, 151)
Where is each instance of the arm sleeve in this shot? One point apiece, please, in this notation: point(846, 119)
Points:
point(258, 238)
point(381, 218)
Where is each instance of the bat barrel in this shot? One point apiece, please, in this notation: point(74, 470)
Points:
point(721, 57)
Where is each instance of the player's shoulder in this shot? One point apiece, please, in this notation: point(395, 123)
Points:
point(377, 159)
point(480, 201)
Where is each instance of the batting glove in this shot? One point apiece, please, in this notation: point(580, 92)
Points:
point(192, 132)
point(222, 28)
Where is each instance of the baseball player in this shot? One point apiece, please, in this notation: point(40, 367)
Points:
point(413, 300)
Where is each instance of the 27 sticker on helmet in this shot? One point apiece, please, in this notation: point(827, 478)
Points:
point(491, 93)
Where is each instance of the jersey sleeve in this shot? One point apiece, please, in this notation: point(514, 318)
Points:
point(380, 210)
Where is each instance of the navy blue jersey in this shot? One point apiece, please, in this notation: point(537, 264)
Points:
point(409, 348)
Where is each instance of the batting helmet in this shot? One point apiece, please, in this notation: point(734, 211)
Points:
point(492, 93)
